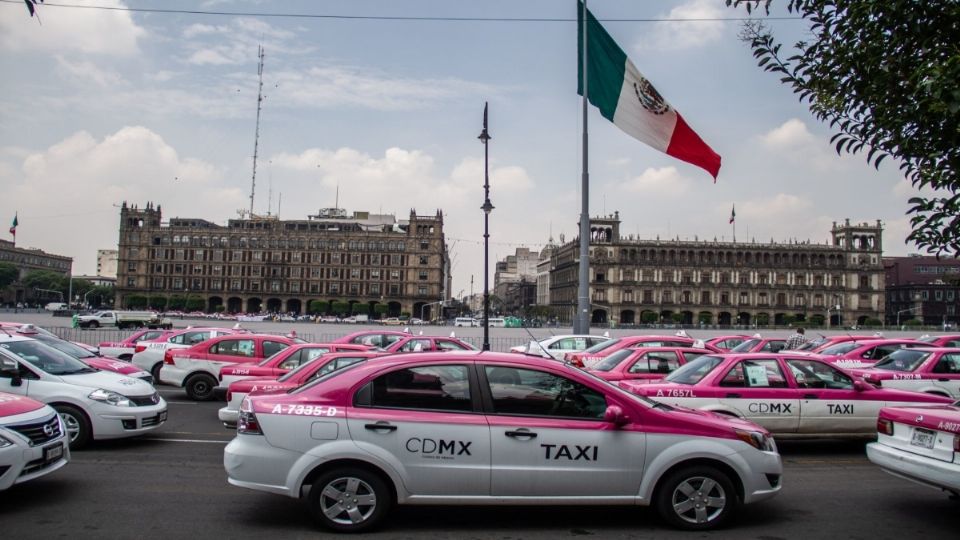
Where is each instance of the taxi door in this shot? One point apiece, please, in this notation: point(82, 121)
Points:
point(757, 389)
point(548, 438)
point(425, 421)
point(25, 376)
point(946, 374)
point(828, 401)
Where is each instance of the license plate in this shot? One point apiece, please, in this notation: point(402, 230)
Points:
point(923, 438)
point(163, 417)
point(52, 453)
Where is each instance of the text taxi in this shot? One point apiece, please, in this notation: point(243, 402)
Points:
point(784, 393)
point(33, 441)
point(493, 428)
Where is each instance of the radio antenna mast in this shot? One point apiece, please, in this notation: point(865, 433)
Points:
point(256, 138)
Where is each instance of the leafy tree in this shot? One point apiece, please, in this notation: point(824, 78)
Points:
point(136, 301)
point(705, 317)
point(817, 320)
point(339, 307)
point(8, 274)
point(360, 308)
point(45, 279)
point(763, 319)
point(195, 304)
point(884, 75)
point(316, 307)
point(158, 303)
point(380, 309)
point(176, 303)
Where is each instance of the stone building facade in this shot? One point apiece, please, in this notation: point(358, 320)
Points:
point(263, 264)
point(635, 281)
point(26, 260)
point(923, 289)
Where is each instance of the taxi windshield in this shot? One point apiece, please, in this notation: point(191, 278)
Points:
point(603, 345)
point(694, 371)
point(840, 348)
point(270, 358)
point(322, 378)
point(927, 339)
point(293, 372)
point(612, 360)
point(46, 358)
point(902, 360)
point(75, 351)
point(811, 345)
point(746, 345)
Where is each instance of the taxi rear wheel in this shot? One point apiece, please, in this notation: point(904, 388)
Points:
point(200, 387)
point(76, 425)
point(155, 371)
point(697, 498)
point(349, 500)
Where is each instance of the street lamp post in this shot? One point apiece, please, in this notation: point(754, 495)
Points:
point(487, 208)
point(910, 310)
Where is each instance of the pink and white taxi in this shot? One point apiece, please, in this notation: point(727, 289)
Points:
point(606, 348)
point(468, 428)
point(647, 363)
point(376, 338)
point(921, 444)
point(93, 404)
point(148, 355)
point(941, 340)
point(863, 354)
point(314, 368)
point(280, 363)
point(787, 394)
point(934, 370)
point(124, 349)
point(33, 441)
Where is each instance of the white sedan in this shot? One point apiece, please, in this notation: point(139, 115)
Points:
point(556, 346)
point(32, 440)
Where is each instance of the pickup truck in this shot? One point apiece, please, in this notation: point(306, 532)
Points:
point(124, 319)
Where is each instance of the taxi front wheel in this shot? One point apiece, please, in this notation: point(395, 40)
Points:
point(76, 424)
point(697, 498)
point(349, 500)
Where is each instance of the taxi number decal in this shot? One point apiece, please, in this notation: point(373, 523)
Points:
point(774, 408)
point(586, 453)
point(267, 387)
point(949, 426)
point(905, 377)
point(304, 410)
point(241, 371)
point(675, 393)
point(840, 409)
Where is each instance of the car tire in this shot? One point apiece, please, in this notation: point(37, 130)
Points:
point(93, 324)
point(76, 424)
point(155, 371)
point(349, 500)
point(697, 498)
point(200, 387)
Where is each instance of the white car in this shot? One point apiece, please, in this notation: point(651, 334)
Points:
point(32, 440)
point(149, 354)
point(93, 404)
point(556, 346)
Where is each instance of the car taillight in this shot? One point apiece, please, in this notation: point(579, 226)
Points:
point(248, 423)
point(168, 358)
point(139, 348)
point(229, 396)
point(884, 426)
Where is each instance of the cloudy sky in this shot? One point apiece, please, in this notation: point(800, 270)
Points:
point(104, 106)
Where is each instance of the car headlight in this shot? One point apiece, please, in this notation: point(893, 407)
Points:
point(760, 441)
point(110, 398)
point(5, 442)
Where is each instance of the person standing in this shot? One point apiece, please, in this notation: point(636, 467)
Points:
point(796, 340)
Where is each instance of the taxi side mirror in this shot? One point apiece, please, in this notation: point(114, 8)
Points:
point(860, 386)
point(10, 369)
point(614, 415)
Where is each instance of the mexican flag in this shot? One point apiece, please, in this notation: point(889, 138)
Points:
point(626, 98)
point(733, 213)
point(13, 227)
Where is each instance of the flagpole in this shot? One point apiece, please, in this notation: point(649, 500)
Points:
point(581, 320)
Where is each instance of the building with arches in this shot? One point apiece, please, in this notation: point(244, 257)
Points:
point(636, 281)
point(264, 264)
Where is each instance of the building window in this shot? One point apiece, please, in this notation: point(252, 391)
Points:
point(355, 273)
point(177, 284)
point(422, 290)
point(131, 282)
point(334, 288)
point(394, 289)
point(422, 275)
point(394, 274)
point(375, 274)
point(667, 297)
point(705, 297)
point(374, 288)
point(423, 259)
point(132, 267)
point(628, 297)
point(744, 299)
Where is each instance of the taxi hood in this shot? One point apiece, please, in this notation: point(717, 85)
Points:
point(11, 405)
point(111, 381)
point(116, 366)
point(646, 387)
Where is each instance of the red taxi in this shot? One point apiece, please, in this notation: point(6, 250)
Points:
point(606, 348)
point(946, 340)
point(725, 343)
point(647, 363)
point(124, 349)
point(784, 393)
point(934, 370)
point(309, 371)
point(822, 342)
point(756, 343)
point(280, 363)
point(197, 369)
point(920, 444)
point(428, 343)
point(863, 354)
point(376, 338)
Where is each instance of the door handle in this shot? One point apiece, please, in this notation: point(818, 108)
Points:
point(516, 434)
point(731, 395)
point(380, 426)
point(811, 396)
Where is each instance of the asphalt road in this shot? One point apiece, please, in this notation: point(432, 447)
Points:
point(171, 484)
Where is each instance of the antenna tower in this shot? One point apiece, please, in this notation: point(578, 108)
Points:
point(256, 138)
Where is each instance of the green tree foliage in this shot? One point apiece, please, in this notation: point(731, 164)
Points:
point(360, 309)
point(380, 309)
point(136, 301)
point(8, 274)
point(649, 317)
point(317, 307)
point(884, 74)
point(339, 307)
point(158, 303)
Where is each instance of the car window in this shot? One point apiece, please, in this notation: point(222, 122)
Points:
point(902, 360)
point(840, 348)
point(948, 363)
point(596, 341)
point(335, 364)
point(761, 373)
point(435, 388)
point(233, 347)
point(45, 358)
point(694, 372)
point(656, 362)
point(811, 374)
point(416, 345)
point(529, 392)
point(602, 345)
point(376, 340)
point(449, 345)
point(746, 346)
point(773, 346)
point(147, 336)
point(688, 356)
point(612, 360)
point(271, 348)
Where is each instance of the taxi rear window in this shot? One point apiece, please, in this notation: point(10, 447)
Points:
point(602, 345)
point(902, 360)
point(693, 372)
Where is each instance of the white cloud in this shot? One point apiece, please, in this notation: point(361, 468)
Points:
point(65, 30)
point(788, 136)
point(665, 181)
point(236, 42)
point(781, 206)
point(669, 35)
point(84, 72)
